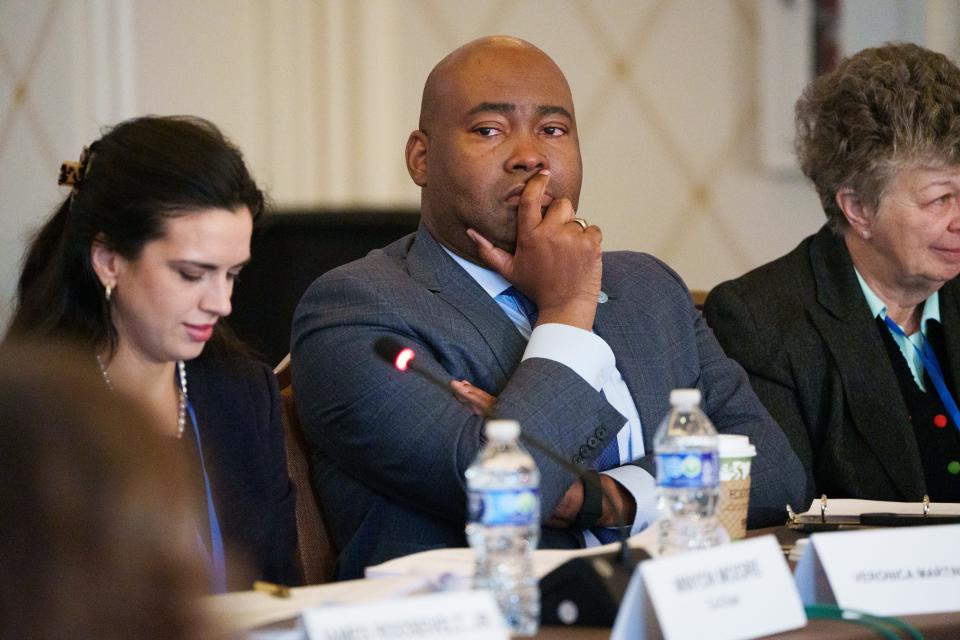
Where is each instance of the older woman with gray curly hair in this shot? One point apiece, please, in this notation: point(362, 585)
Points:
point(852, 340)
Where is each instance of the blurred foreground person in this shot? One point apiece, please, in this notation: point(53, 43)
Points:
point(137, 267)
point(97, 534)
point(852, 340)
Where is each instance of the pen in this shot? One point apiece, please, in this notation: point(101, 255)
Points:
point(269, 588)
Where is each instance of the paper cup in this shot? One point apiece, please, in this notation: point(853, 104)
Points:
point(736, 454)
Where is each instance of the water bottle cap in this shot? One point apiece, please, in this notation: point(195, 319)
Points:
point(502, 430)
point(684, 399)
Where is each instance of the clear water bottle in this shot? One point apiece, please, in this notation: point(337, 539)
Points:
point(688, 476)
point(504, 524)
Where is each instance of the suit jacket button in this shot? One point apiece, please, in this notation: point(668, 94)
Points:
point(593, 442)
point(601, 432)
point(584, 451)
point(578, 459)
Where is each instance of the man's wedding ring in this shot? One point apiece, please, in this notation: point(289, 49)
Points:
point(580, 221)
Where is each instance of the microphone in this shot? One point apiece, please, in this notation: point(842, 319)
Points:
point(404, 359)
point(585, 591)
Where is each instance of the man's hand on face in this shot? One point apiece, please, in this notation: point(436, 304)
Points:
point(557, 263)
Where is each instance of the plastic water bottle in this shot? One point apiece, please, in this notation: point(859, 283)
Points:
point(504, 524)
point(688, 476)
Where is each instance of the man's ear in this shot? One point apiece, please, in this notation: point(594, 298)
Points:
point(416, 154)
point(858, 215)
point(105, 261)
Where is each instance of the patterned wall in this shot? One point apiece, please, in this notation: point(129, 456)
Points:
point(321, 95)
point(666, 108)
point(30, 128)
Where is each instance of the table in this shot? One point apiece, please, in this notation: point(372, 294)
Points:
point(942, 626)
point(938, 626)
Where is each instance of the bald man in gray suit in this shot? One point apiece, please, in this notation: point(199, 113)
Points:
point(505, 287)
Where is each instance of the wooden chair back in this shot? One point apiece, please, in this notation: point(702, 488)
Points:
point(316, 551)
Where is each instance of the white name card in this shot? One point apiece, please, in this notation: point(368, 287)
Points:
point(462, 615)
point(890, 572)
point(736, 591)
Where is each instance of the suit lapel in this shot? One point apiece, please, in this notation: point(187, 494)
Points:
point(873, 396)
point(430, 265)
point(642, 368)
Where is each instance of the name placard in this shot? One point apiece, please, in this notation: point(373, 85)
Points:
point(892, 572)
point(740, 590)
point(462, 615)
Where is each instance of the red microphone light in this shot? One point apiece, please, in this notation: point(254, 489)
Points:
point(404, 358)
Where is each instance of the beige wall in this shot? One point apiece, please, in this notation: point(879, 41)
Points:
point(671, 102)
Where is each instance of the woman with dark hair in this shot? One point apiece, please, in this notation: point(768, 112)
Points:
point(137, 266)
point(852, 340)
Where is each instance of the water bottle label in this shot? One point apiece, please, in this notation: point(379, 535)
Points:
point(514, 507)
point(688, 470)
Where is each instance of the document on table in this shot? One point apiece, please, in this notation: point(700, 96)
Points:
point(848, 511)
point(426, 572)
point(245, 610)
point(453, 568)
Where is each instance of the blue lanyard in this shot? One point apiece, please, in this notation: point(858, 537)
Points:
point(215, 557)
point(932, 366)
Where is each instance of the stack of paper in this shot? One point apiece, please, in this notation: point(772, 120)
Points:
point(848, 508)
point(453, 568)
point(244, 610)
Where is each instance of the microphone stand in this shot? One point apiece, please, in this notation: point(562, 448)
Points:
point(583, 591)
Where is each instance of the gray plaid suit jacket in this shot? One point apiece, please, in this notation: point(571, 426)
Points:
point(390, 449)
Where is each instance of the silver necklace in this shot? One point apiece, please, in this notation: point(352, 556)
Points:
point(182, 405)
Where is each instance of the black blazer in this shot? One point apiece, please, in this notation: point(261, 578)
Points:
point(238, 413)
point(802, 329)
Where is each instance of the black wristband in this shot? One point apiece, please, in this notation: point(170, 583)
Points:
point(592, 507)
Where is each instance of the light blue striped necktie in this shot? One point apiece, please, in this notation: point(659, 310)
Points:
point(524, 303)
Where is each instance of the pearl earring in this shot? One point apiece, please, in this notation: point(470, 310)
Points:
point(108, 291)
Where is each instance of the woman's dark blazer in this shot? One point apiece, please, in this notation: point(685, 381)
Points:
point(802, 329)
point(238, 412)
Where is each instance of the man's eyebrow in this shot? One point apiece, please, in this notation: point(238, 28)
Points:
point(508, 107)
point(549, 110)
point(498, 107)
